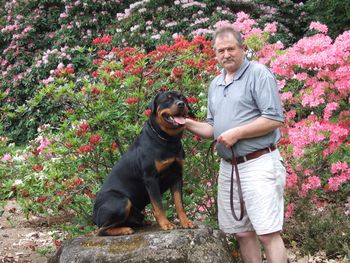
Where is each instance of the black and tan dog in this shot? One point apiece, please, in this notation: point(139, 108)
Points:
point(151, 166)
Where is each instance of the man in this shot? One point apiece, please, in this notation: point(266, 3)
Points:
point(244, 111)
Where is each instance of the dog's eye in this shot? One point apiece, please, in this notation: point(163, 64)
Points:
point(170, 97)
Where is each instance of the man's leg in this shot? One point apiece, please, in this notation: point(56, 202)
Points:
point(274, 248)
point(249, 247)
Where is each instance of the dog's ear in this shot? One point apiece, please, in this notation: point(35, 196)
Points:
point(153, 105)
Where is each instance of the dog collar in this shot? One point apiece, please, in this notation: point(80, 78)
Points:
point(154, 130)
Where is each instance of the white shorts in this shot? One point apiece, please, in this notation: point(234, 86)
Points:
point(262, 181)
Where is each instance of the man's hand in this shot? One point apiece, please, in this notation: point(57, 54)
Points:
point(230, 137)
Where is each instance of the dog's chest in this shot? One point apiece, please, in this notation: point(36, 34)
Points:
point(162, 165)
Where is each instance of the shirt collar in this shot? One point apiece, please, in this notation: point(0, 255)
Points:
point(237, 75)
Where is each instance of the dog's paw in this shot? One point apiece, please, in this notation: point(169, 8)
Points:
point(166, 225)
point(187, 224)
point(115, 231)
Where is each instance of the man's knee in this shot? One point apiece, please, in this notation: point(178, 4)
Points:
point(268, 238)
point(245, 235)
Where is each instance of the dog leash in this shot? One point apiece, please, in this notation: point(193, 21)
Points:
point(239, 188)
point(238, 180)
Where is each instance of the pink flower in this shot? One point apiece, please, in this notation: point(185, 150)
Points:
point(336, 181)
point(6, 158)
point(292, 180)
point(319, 27)
point(314, 182)
point(330, 107)
point(290, 211)
point(271, 27)
point(338, 166)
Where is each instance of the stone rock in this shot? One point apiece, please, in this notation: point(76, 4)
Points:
point(201, 245)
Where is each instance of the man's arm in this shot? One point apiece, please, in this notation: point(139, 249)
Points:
point(258, 127)
point(202, 129)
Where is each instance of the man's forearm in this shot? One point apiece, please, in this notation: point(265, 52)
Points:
point(259, 127)
point(202, 129)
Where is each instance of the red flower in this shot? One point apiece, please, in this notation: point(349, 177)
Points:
point(95, 91)
point(83, 128)
point(102, 53)
point(106, 39)
point(95, 139)
point(36, 151)
point(132, 100)
point(69, 70)
point(150, 82)
point(192, 99)
point(78, 181)
point(60, 193)
point(178, 72)
point(37, 167)
point(118, 74)
point(114, 146)
point(85, 148)
point(41, 199)
point(58, 243)
point(147, 112)
point(97, 62)
point(94, 74)
point(196, 138)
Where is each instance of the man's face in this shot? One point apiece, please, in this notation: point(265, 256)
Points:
point(228, 53)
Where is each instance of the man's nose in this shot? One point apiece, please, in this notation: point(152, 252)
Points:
point(226, 53)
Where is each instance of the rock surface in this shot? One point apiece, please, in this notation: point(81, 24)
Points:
point(181, 245)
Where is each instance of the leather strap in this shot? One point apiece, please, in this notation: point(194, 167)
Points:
point(239, 188)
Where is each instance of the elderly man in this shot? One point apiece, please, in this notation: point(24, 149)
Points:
point(245, 112)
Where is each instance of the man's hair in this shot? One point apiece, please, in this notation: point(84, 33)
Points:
point(228, 30)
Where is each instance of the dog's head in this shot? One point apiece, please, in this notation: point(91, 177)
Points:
point(170, 109)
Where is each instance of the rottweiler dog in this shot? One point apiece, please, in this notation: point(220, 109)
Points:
point(152, 165)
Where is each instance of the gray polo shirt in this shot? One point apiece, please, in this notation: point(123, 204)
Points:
point(251, 94)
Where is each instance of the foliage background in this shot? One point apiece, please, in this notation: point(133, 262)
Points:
point(77, 76)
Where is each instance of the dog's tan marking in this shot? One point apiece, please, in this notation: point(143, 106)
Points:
point(159, 214)
point(161, 165)
point(184, 221)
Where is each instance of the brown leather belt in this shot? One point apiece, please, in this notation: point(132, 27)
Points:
point(253, 155)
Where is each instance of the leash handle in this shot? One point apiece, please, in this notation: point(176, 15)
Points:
point(239, 188)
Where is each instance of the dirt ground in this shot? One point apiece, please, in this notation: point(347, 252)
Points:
point(20, 239)
point(26, 241)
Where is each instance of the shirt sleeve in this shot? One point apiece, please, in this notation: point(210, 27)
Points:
point(267, 97)
point(210, 114)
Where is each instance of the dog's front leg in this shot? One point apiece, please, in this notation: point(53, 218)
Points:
point(152, 186)
point(176, 190)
